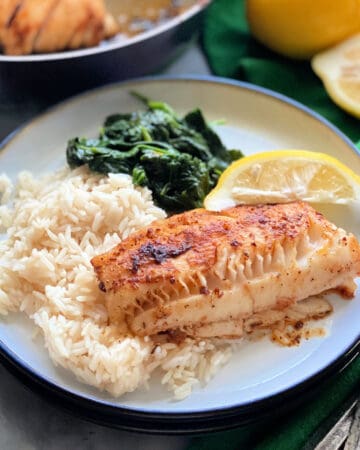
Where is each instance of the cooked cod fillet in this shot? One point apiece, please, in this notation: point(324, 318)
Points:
point(60, 27)
point(38, 26)
point(20, 32)
point(7, 11)
point(207, 273)
point(91, 28)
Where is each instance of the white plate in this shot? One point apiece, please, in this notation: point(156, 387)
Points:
point(256, 120)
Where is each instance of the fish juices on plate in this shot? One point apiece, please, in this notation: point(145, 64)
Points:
point(124, 271)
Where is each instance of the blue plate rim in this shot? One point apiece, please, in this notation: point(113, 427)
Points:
point(7, 355)
point(180, 424)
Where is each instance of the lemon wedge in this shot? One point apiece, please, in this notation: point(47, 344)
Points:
point(339, 70)
point(283, 176)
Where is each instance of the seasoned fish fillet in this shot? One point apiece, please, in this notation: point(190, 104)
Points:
point(73, 25)
point(207, 273)
point(90, 30)
point(37, 26)
point(20, 32)
point(8, 10)
point(55, 35)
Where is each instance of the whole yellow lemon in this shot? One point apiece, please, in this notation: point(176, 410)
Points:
point(301, 28)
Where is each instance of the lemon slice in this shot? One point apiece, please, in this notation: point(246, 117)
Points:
point(339, 69)
point(283, 176)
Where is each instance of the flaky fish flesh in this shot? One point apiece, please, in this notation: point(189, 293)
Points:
point(208, 273)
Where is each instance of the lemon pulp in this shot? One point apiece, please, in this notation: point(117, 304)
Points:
point(339, 69)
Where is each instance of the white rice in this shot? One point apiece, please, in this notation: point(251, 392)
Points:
point(54, 226)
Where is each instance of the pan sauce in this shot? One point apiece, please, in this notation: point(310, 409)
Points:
point(141, 15)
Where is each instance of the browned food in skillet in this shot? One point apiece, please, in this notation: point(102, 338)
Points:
point(33, 26)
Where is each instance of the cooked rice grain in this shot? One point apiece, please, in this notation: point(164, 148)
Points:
point(54, 226)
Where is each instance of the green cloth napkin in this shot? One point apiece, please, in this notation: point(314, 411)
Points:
point(232, 52)
point(294, 430)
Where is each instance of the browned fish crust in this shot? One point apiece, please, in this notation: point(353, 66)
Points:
point(197, 234)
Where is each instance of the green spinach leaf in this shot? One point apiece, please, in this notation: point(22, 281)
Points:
point(179, 159)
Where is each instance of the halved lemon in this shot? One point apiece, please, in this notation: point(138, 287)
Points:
point(302, 28)
point(339, 70)
point(283, 176)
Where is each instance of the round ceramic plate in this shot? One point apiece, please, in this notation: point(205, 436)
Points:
point(260, 375)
